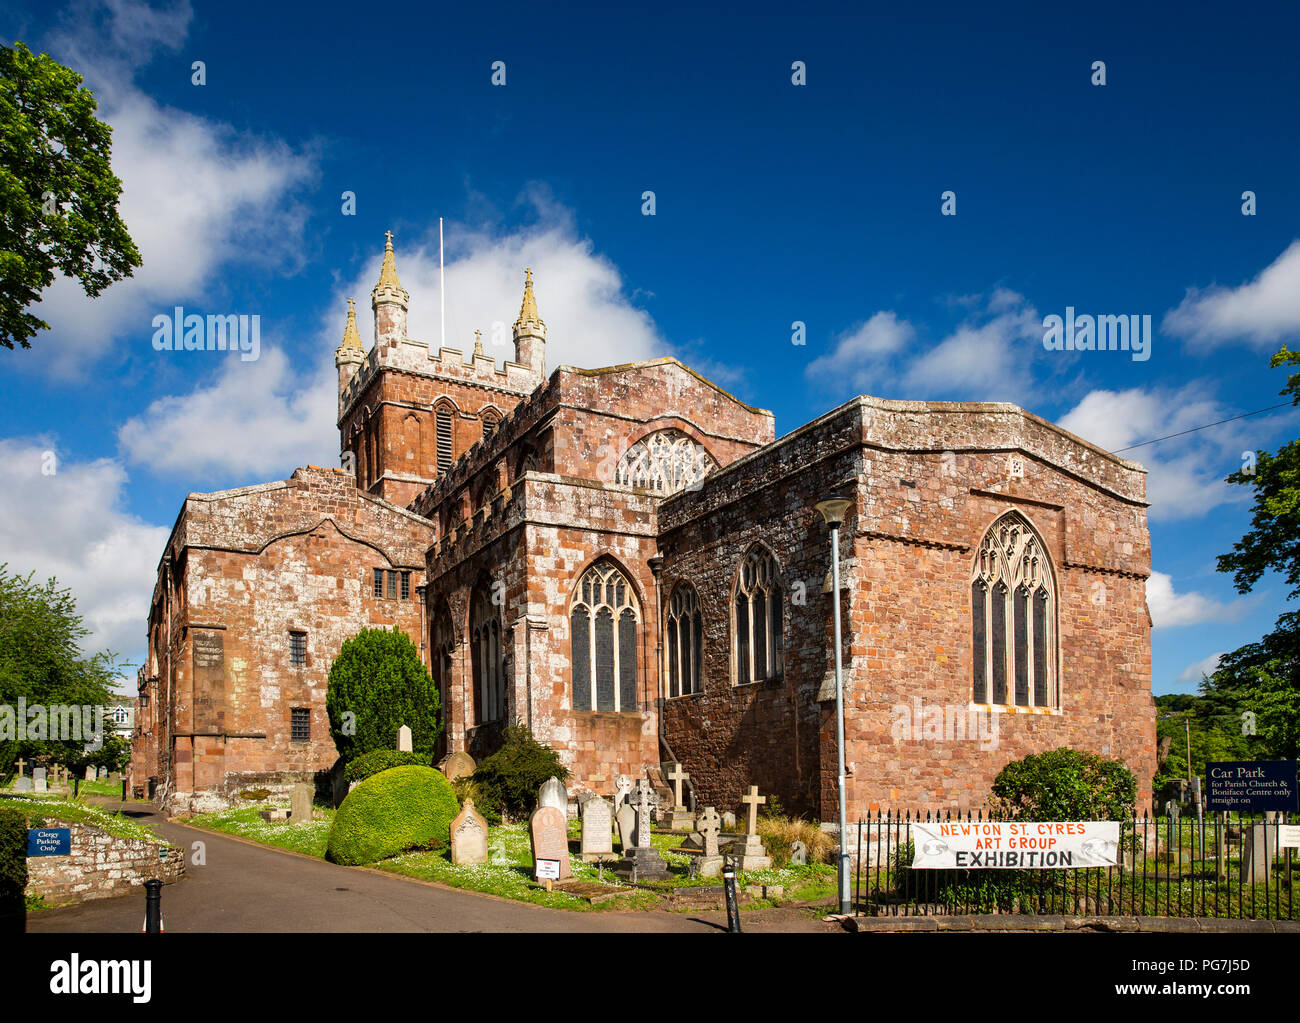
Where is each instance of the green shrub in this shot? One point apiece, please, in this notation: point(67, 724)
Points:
point(780, 833)
point(255, 795)
point(485, 802)
point(13, 861)
point(1065, 785)
point(377, 684)
point(510, 777)
point(401, 808)
point(381, 760)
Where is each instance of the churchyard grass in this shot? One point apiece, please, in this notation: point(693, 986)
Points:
point(509, 870)
point(55, 811)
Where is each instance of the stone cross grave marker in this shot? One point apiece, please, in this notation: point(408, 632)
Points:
point(677, 776)
point(553, 793)
point(38, 779)
point(622, 789)
point(709, 826)
point(597, 838)
point(20, 763)
point(753, 801)
point(300, 800)
point(798, 854)
point(645, 803)
point(548, 829)
point(404, 739)
point(469, 836)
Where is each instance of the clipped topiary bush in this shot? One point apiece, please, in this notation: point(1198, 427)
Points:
point(382, 760)
point(1065, 785)
point(511, 776)
point(398, 809)
point(13, 864)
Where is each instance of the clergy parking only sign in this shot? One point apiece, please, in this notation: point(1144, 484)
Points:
point(1250, 785)
point(1015, 845)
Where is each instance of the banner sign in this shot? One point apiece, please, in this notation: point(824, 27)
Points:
point(548, 868)
point(1288, 836)
point(1251, 785)
point(1015, 845)
point(49, 841)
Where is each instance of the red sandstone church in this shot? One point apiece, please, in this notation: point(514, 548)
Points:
point(628, 561)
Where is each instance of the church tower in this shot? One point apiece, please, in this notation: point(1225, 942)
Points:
point(389, 300)
point(349, 355)
point(530, 333)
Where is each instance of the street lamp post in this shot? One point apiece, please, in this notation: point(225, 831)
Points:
point(832, 508)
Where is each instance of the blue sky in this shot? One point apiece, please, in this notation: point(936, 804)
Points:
point(774, 203)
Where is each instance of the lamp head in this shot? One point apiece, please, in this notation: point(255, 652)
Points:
point(833, 506)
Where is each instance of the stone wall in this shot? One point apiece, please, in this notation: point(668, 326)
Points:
point(101, 866)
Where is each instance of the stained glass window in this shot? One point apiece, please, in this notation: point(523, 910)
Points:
point(604, 664)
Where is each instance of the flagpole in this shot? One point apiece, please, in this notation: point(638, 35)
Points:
point(442, 291)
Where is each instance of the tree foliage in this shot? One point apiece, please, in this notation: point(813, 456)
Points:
point(42, 662)
point(510, 777)
point(58, 194)
point(377, 684)
point(1065, 785)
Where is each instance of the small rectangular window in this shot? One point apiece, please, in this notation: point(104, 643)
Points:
point(392, 585)
point(300, 725)
point(298, 648)
point(379, 582)
point(406, 585)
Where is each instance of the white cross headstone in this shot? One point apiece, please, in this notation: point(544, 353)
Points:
point(753, 801)
point(404, 739)
point(20, 763)
point(677, 776)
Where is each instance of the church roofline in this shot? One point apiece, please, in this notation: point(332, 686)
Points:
point(662, 360)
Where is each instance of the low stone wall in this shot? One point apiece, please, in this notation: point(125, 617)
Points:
point(101, 866)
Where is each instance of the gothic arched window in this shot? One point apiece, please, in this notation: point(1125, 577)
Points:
point(486, 657)
point(757, 618)
point(1013, 618)
point(683, 640)
point(491, 418)
point(603, 618)
point(444, 643)
point(664, 462)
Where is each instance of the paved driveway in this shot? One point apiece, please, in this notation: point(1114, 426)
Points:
point(251, 888)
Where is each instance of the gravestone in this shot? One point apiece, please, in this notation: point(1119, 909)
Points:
point(643, 861)
point(103, 773)
point(23, 784)
point(709, 825)
point(1257, 851)
point(39, 781)
point(469, 836)
point(622, 789)
point(457, 765)
point(597, 836)
point(548, 829)
point(91, 774)
point(680, 818)
point(798, 854)
point(747, 849)
point(553, 793)
point(403, 736)
point(728, 821)
point(626, 818)
point(300, 800)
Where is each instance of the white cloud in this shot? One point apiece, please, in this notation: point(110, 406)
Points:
point(1261, 312)
point(983, 359)
point(1185, 475)
point(196, 194)
point(1193, 673)
point(1170, 609)
point(73, 525)
point(266, 417)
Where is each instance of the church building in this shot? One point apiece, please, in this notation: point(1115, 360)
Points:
point(627, 560)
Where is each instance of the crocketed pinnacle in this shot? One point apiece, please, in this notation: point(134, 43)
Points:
point(351, 339)
point(528, 310)
point(388, 272)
